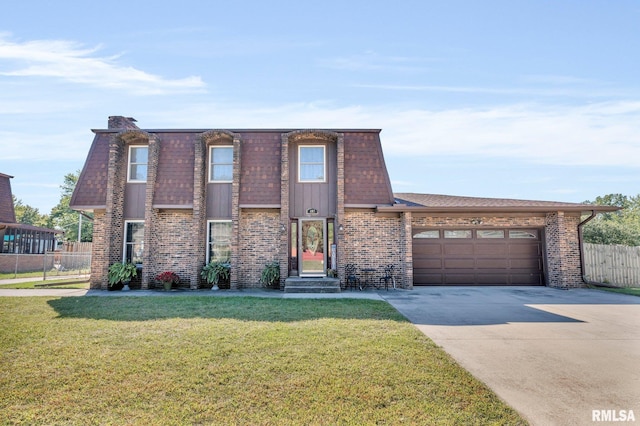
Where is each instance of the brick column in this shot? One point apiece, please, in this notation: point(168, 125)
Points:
point(283, 256)
point(563, 251)
point(199, 220)
point(99, 250)
point(150, 215)
point(235, 215)
point(407, 251)
point(340, 217)
point(111, 251)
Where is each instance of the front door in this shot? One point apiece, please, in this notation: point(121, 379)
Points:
point(313, 248)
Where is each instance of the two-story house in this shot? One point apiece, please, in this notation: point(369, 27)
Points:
point(312, 200)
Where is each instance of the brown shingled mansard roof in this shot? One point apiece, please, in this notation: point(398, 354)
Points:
point(433, 203)
point(7, 212)
point(366, 178)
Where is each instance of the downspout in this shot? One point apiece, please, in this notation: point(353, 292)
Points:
point(580, 245)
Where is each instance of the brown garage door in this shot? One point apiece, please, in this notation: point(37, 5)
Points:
point(477, 257)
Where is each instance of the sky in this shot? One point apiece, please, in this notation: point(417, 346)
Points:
point(536, 100)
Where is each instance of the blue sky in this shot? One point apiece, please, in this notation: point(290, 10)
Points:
point(535, 100)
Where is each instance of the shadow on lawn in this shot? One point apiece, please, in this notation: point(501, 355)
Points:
point(238, 308)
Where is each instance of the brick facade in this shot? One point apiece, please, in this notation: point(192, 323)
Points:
point(109, 223)
point(563, 250)
point(152, 224)
point(368, 234)
point(284, 209)
point(407, 249)
point(171, 246)
point(367, 240)
point(373, 242)
point(259, 244)
point(198, 228)
point(100, 250)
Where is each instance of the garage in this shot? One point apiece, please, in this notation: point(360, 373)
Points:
point(478, 256)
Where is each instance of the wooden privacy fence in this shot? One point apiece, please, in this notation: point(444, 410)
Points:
point(76, 247)
point(616, 265)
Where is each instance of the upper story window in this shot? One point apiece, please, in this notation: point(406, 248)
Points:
point(311, 164)
point(138, 161)
point(221, 164)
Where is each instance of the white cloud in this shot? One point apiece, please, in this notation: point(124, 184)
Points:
point(372, 61)
point(70, 61)
point(596, 134)
point(602, 134)
point(599, 134)
point(594, 91)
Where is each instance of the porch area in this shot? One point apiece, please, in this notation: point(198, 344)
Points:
point(312, 285)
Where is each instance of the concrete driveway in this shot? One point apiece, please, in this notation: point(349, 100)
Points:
point(553, 355)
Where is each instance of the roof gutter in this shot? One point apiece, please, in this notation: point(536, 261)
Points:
point(399, 208)
point(581, 245)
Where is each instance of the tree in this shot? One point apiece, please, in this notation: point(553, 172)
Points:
point(63, 218)
point(620, 227)
point(611, 232)
point(28, 215)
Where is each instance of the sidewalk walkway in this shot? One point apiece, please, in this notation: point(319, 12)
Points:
point(257, 292)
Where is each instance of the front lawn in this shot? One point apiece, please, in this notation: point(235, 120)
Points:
point(236, 360)
point(62, 283)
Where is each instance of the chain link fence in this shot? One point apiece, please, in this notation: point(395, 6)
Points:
point(47, 265)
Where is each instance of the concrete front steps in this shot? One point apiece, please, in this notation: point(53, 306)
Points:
point(311, 285)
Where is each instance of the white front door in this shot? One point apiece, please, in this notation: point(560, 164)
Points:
point(312, 245)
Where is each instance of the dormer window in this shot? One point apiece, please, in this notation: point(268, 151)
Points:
point(221, 164)
point(311, 164)
point(138, 161)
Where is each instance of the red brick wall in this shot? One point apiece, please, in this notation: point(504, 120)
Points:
point(198, 229)
point(26, 262)
point(171, 246)
point(563, 252)
point(487, 221)
point(259, 244)
point(371, 241)
point(99, 251)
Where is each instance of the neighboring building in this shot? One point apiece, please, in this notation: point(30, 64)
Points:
point(18, 238)
point(311, 200)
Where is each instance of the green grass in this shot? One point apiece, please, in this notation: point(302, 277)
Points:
point(633, 291)
point(38, 274)
point(11, 275)
point(238, 360)
point(61, 283)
